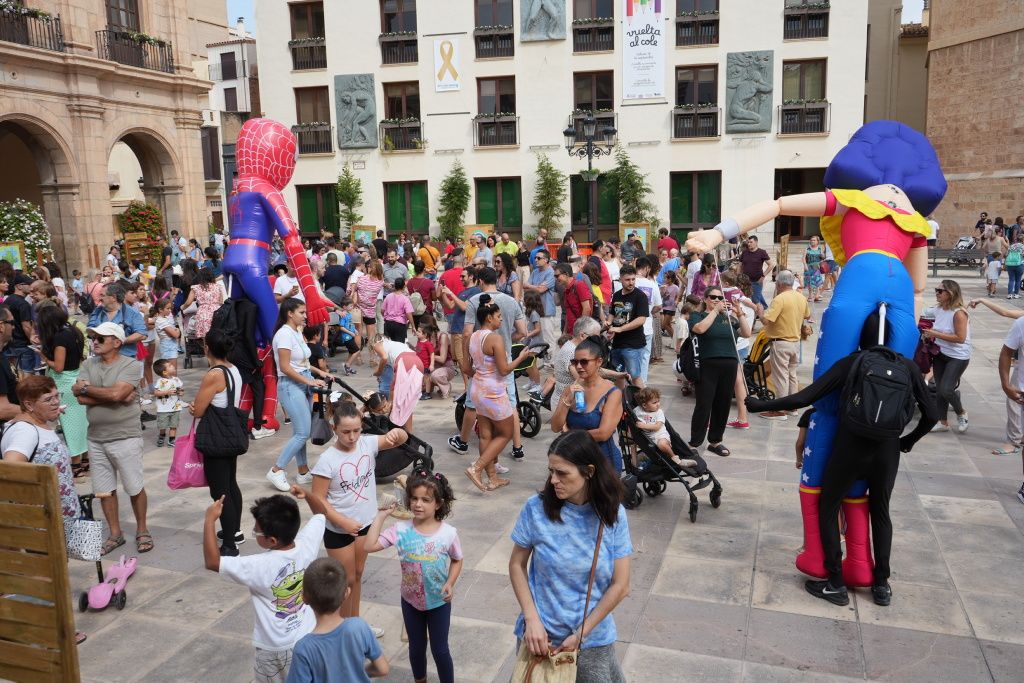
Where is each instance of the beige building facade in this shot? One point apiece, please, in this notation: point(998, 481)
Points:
point(77, 77)
point(975, 72)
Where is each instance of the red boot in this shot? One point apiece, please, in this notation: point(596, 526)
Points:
point(858, 567)
point(812, 560)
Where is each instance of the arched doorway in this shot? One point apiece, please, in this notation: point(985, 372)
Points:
point(37, 167)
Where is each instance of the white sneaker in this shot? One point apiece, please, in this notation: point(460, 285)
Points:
point(961, 423)
point(939, 427)
point(279, 479)
point(146, 401)
point(263, 433)
point(378, 632)
point(500, 469)
point(304, 479)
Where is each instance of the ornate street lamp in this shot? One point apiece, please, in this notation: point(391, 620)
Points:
point(588, 147)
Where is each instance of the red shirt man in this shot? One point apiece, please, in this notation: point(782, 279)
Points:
point(452, 279)
point(667, 242)
point(577, 301)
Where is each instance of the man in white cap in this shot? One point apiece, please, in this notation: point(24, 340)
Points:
point(107, 385)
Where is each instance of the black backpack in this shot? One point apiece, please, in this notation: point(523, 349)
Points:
point(226, 320)
point(878, 399)
point(85, 303)
point(688, 360)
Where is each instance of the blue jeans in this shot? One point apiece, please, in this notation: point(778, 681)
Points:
point(25, 358)
point(758, 297)
point(296, 399)
point(1014, 273)
point(385, 380)
point(631, 359)
point(645, 363)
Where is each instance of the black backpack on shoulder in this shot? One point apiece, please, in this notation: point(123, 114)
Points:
point(878, 399)
point(688, 360)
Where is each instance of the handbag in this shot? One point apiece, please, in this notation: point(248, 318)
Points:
point(221, 432)
point(85, 540)
point(320, 431)
point(191, 309)
point(187, 470)
point(557, 667)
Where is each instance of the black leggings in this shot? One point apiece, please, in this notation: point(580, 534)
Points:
point(948, 372)
point(435, 621)
point(714, 394)
point(259, 392)
point(854, 458)
point(220, 475)
point(398, 332)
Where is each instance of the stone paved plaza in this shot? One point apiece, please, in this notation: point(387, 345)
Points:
point(717, 600)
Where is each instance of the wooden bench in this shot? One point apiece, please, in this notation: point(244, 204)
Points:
point(971, 259)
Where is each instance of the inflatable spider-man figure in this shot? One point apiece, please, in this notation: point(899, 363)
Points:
point(266, 153)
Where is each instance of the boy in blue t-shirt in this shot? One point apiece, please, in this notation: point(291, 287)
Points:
point(348, 336)
point(336, 651)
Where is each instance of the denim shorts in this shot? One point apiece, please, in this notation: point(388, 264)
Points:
point(632, 359)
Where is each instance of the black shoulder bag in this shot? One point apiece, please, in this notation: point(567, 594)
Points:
point(221, 432)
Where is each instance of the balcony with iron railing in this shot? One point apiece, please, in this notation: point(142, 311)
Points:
point(806, 21)
point(691, 122)
point(308, 53)
point(604, 119)
point(314, 138)
point(399, 48)
point(132, 48)
point(496, 130)
point(697, 28)
point(805, 118)
point(31, 27)
point(229, 71)
point(593, 35)
point(494, 41)
point(402, 135)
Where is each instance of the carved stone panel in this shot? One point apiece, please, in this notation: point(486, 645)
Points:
point(748, 97)
point(356, 109)
point(542, 20)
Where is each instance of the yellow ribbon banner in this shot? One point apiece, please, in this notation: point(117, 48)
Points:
point(447, 51)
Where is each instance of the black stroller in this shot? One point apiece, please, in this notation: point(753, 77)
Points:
point(390, 462)
point(755, 368)
point(654, 475)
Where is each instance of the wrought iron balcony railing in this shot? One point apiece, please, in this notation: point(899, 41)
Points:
point(494, 41)
point(308, 53)
point(807, 21)
point(135, 49)
point(698, 122)
point(32, 28)
point(597, 35)
point(401, 136)
point(700, 29)
point(809, 117)
point(314, 138)
point(399, 48)
point(496, 129)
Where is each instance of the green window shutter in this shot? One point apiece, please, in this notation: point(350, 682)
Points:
point(394, 195)
point(487, 202)
point(577, 200)
point(709, 198)
point(419, 207)
point(329, 197)
point(607, 204)
point(511, 203)
point(309, 219)
point(681, 198)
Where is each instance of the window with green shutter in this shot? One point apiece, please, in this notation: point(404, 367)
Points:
point(318, 208)
point(499, 202)
point(695, 200)
point(406, 207)
point(579, 203)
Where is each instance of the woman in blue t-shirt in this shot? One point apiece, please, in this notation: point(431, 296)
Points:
point(559, 528)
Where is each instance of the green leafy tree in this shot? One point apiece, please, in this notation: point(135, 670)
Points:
point(350, 197)
point(630, 185)
point(454, 201)
point(548, 195)
point(23, 221)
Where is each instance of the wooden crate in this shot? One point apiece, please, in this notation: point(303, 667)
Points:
point(37, 641)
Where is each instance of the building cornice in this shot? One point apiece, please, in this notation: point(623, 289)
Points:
point(1010, 26)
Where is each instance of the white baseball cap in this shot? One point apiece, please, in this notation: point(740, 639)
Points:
point(109, 330)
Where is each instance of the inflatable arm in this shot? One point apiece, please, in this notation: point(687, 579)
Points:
point(809, 204)
point(916, 263)
point(316, 307)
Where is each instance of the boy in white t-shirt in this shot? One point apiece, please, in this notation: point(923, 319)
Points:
point(168, 406)
point(651, 418)
point(992, 271)
point(274, 578)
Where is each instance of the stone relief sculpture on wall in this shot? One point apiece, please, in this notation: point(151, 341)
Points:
point(356, 109)
point(749, 85)
point(542, 20)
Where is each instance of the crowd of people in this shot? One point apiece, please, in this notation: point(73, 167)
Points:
point(429, 320)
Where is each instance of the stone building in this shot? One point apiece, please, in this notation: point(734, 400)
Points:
point(757, 97)
point(975, 72)
point(77, 77)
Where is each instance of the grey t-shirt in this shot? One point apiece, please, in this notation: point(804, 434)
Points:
point(392, 273)
point(511, 311)
point(115, 421)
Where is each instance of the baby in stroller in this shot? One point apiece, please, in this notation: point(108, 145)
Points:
point(651, 418)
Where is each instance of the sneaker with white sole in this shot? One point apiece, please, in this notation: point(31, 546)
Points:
point(239, 537)
point(939, 427)
point(500, 469)
point(304, 479)
point(457, 444)
point(378, 632)
point(279, 479)
point(961, 423)
point(262, 433)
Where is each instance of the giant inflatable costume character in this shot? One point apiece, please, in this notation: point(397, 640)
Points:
point(266, 153)
point(881, 185)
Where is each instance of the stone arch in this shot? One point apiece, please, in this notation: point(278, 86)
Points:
point(55, 185)
point(162, 180)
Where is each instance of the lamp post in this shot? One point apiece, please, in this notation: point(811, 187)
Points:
point(587, 147)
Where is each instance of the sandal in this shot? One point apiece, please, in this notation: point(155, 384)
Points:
point(720, 449)
point(144, 542)
point(497, 483)
point(111, 544)
point(80, 637)
point(1003, 450)
point(474, 476)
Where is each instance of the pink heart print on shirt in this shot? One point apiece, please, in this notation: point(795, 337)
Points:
point(360, 479)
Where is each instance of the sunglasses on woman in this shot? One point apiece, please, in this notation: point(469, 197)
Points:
point(715, 297)
point(940, 290)
point(581, 362)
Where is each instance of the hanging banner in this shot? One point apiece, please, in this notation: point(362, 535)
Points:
point(643, 50)
point(446, 65)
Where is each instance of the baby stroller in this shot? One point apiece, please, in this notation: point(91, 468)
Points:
point(529, 412)
point(415, 451)
point(959, 256)
point(194, 346)
point(755, 368)
point(655, 474)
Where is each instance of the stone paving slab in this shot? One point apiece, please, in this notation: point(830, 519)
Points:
point(716, 600)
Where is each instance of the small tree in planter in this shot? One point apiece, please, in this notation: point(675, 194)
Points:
point(548, 195)
point(142, 217)
point(632, 189)
point(23, 221)
point(454, 201)
point(350, 197)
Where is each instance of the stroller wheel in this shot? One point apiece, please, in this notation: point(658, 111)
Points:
point(634, 499)
point(693, 512)
point(460, 412)
point(121, 599)
point(716, 497)
point(654, 488)
point(529, 419)
point(83, 602)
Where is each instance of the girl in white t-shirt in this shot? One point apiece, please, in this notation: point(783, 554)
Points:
point(345, 491)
